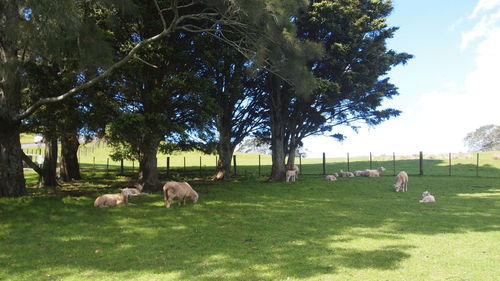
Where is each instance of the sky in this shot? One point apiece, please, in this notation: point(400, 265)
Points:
point(449, 89)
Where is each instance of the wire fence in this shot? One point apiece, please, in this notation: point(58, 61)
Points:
point(95, 158)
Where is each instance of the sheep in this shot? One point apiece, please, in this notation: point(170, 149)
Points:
point(401, 182)
point(346, 174)
point(364, 173)
point(111, 200)
point(179, 191)
point(427, 198)
point(335, 175)
point(330, 178)
point(136, 190)
point(296, 169)
point(376, 173)
point(291, 175)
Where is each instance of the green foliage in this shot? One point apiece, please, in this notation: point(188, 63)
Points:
point(485, 138)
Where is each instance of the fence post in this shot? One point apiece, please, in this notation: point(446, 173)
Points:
point(300, 163)
point(184, 164)
point(121, 167)
point(168, 166)
point(133, 165)
point(348, 162)
point(259, 165)
point(234, 164)
point(200, 166)
point(394, 162)
point(324, 164)
point(421, 163)
point(107, 165)
point(370, 160)
point(216, 163)
point(93, 163)
point(477, 166)
point(449, 164)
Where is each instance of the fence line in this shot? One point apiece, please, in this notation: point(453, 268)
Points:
point(458, 164)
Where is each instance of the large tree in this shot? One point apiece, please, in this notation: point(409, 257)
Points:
point(33, 30)
point(484, 138)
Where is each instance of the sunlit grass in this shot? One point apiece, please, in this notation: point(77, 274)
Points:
point(352, 229)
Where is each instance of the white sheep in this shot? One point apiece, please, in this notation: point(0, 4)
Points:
point(364, 173)
point(179, 191)
point(111, 200)
point(330, 178)
point(336, 175)
point(291, 175)
point(376, 173)
point(297, 170)
point(401, 182)
point(131, 191)
point(346, 174)
point(427, 198)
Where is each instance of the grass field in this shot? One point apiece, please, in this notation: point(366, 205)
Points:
point(246, 229)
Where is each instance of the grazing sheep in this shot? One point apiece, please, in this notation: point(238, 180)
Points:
point(330, 178)
point(291, 175)
point(111, 200)
point(401, 182)
point(179, 191)
point(376, 173)
point(427, 198)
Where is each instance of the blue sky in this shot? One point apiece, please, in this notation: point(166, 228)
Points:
point(450, 88)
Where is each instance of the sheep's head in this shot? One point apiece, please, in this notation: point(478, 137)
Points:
point(381, 169)
point(425, 193)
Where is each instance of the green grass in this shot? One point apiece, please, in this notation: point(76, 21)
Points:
point(245, 229)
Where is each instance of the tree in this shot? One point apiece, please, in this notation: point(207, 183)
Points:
point(32, 30)
point(485, 138)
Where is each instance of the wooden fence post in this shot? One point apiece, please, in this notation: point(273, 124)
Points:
point(234, 164)
point(200, 166)
point(371, 161)
point(421, 163)
point(168, 166)
point(184, 164)
point(107, 165)
point(348, 162)
point(259, 165)
point(300, 163)
point(324, 164)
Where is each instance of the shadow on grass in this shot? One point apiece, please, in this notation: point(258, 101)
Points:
point(239, 231)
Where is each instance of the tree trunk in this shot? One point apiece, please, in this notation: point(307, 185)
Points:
point(12, 183)
point(148, 167)
point(278, 116)
point(292, 151)
point(49, 175)
point(70, 168)
point(225, 148)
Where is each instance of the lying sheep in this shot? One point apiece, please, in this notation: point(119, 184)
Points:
point(131, 191)
point(330, 178)
point(427, 198)
point(336, 175)
point(375, 173)
point(291, 175)
point(364, 173)
point(401, 182)
point(179, 191)
point(111, 200)
point(346, 174)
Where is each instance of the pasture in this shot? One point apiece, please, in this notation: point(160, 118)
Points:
point(247, 229)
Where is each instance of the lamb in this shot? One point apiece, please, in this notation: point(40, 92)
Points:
point(291, 175)
point(401, 182)
point(427, 198)
point(376, 173)
point(111, 200)
point(136, 190)
point(330, 178)
point(297, 170)
point(179, 191)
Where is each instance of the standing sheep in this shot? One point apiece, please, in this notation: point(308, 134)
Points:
point(401, 182)
point(179, 191)
point(111, 200)
point(427, 198)
point(296, 169)
point(291, 175)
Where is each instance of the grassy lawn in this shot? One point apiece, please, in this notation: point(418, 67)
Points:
point(245, 229)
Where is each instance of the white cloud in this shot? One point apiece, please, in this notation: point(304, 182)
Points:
point(440, 119)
